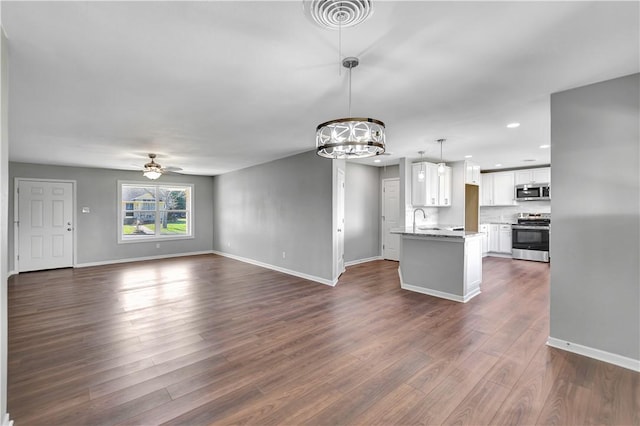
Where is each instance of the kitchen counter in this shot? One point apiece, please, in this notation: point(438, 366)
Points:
point(433, 231)
point(440, 262)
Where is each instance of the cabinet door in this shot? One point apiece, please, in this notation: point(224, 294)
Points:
point(505, 239)
point(444, 190)
point(432, 183)
point(472, 173)
point(541, 175)
point(484, 230)
point(476, 174)
point(523, 177)
point(486, 190)
point(418, 186)
point(503, 188)
point(494, 238)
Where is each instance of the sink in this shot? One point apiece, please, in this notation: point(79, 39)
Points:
point(429, 228)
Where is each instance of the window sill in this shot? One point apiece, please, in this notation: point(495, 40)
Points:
point(154, 238)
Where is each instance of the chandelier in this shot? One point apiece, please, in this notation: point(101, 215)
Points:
point(351, 137)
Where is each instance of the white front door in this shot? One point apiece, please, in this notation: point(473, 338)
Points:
point(45, 224)
point(390, 218)
point(340, 220)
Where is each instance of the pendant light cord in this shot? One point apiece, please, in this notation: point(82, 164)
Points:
point(350, 68)
point(340, 48)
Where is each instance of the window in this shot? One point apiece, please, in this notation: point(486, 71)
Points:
point(150, 212)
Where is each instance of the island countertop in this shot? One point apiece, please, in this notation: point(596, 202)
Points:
point(431, 231)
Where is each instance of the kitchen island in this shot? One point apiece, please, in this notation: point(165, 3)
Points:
point(440, 262)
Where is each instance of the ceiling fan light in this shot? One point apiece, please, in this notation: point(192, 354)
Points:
point(152, 173)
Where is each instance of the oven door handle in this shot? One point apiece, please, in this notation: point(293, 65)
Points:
point(542, 228)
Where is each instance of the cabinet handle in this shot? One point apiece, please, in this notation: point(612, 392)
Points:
point(446, 201)
point(433, 201)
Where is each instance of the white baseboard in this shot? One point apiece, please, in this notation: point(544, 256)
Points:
point(503, 255)
point(6, 421)
point(279, 269)
point(357, 262)
point(436, 293)
point(600, 355)
point(140, 259)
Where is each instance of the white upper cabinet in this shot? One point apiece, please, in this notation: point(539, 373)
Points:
point(432, 190)
point(541, 175)
point(444, 189)
point(472, 173)
point(418, 184)
point(498, 189)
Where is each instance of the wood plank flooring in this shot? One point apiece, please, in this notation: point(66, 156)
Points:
point(209, 340)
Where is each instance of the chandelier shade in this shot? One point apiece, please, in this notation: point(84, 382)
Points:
point(351, 137)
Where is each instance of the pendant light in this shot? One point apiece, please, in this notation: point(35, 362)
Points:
point(421, 172)
point(351, 137)
point(441, 165)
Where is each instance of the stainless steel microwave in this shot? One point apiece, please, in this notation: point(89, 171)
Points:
point(533, 192)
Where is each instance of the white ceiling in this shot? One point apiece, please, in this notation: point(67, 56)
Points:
point(217, 86)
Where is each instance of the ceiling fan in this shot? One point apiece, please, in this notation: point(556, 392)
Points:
point(153, 170)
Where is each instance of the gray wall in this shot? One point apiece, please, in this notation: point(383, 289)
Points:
point(595, 238)
point(280, 206)
point(389, 172)
point(362, 212)
point(97, 232)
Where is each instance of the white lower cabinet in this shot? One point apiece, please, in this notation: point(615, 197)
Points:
point(484, 230)
point(504, 245)
point(498, 238)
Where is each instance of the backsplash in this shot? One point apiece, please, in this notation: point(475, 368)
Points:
point(431, 214)
point(509, 214)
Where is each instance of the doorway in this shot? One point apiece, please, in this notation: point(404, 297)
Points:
point(44, 230)
point(390, 218)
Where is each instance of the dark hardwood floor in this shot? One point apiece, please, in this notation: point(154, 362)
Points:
point(206, 339)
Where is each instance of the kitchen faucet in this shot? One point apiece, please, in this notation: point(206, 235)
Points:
point(424, 216)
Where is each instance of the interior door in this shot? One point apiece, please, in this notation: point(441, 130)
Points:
point(340, 220)
point(390, 218)
point(45, 227)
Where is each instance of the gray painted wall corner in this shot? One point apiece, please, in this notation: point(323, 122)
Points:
point(284, 206)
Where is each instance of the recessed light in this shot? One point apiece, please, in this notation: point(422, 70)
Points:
point(498, 165)
point(468, 156)
point(513, 125)
point(545, 146)
point(377, 160)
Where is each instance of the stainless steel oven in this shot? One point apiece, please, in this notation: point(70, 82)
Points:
point(530, 237)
